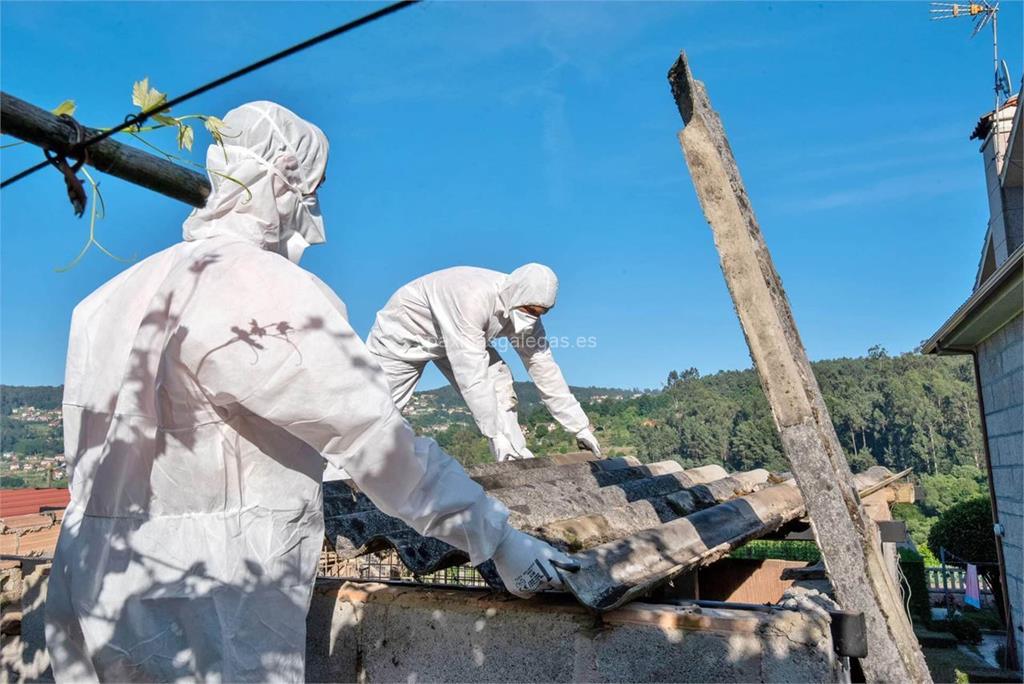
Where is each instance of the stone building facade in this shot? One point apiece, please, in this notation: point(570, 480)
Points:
point(1001, 372)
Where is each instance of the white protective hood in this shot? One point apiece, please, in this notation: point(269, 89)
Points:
point(264, 181)
point(530, 285)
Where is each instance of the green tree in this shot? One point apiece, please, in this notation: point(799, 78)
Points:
point(965, 532)
point(755, 444)
point(861, 461)
point(944, 490)
point(656, 442)
point(918, 525)
point(465, 444)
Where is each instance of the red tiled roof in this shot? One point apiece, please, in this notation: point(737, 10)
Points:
point(24, 501)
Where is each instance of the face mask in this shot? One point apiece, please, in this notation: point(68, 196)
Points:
point(522, 321)
point(311, 223)
point(305, 220)
point(294, 246)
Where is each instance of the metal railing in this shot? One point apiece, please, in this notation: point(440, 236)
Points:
point(386, 566)
point(951, 578)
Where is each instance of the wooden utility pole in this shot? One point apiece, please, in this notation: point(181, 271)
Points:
point(849, 542)
point(37, 126)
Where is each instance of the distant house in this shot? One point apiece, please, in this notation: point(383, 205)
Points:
point(990, 327)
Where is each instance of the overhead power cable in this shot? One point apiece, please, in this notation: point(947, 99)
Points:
point(139, 119)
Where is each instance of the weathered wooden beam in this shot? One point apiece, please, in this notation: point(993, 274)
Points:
point(37, 126)
point(848, 539)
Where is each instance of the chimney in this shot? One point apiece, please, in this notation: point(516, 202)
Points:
point(1004, 203)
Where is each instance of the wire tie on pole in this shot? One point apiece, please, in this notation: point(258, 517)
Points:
point(134, 121)
point(76, 191)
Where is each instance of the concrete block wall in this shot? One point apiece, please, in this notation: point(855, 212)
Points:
point(1001, 365)
point(380, 633)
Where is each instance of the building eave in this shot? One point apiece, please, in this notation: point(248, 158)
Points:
point(999, 299)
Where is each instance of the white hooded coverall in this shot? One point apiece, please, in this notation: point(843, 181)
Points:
point(204, 387)
point(450, 317)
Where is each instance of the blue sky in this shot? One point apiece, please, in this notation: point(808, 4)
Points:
point(492, 134)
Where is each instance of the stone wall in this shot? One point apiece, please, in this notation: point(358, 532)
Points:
point(1001, 364)
point(373, 632)
point(23, 654)
point(32, 538)
point(381, 633)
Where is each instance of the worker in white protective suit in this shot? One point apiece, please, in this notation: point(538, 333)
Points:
point(450, 317)
point(205, 387)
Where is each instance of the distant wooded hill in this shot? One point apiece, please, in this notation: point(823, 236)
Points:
point(902, 411)
point(529, 397)
point(42, 397)
point(898, 411)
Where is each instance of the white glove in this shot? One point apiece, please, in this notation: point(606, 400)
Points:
point(528, 565)
point(502, 450)
point(585, 440)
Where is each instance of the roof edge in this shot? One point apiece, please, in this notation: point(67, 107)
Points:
point(939, 342)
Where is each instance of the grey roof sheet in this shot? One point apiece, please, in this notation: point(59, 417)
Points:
point(631, 525)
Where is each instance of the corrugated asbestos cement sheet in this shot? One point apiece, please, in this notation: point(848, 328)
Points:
point(631, 526)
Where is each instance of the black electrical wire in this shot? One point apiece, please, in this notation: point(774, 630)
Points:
point(140, 118)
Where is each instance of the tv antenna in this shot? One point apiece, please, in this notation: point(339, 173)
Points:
point(982, 13)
